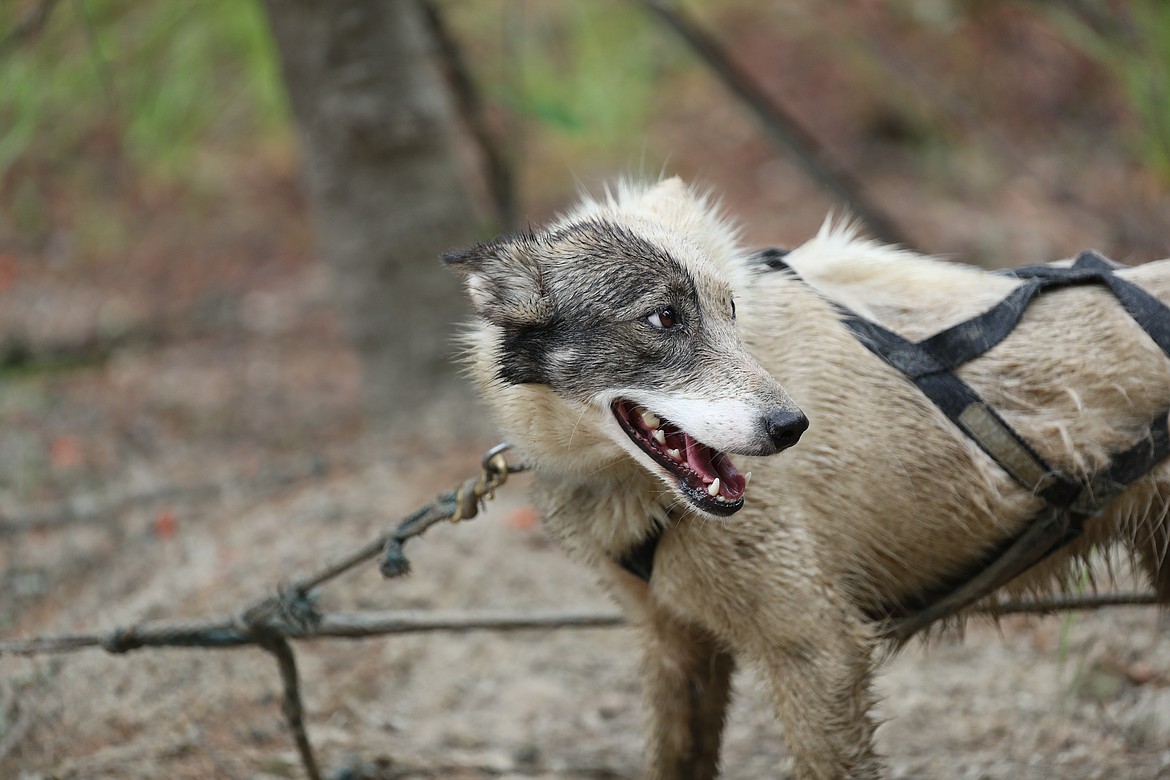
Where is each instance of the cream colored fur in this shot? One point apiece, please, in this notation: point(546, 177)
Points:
point(882, 498)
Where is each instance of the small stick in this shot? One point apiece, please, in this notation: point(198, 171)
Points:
point(293, 709)
point(225, 634)
point(780, 126)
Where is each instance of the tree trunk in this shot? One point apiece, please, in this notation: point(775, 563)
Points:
point(378, 139)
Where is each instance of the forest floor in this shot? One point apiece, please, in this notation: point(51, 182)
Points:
point(225, 380)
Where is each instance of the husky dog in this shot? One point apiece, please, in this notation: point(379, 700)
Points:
point(633, 347)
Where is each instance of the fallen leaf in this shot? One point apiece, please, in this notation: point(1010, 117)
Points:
point(522, 518)
point(65, 452)
point(8, 272)
point(165, 524)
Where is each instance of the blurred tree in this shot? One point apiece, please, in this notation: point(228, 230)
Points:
point(377, 131)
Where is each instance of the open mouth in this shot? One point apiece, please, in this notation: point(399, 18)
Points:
point(706, 476)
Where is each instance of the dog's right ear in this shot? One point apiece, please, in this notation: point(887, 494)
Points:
point(505, 282)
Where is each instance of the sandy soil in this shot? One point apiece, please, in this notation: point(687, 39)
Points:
point(1084, 697)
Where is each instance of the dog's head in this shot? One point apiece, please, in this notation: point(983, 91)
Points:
point(624, 312)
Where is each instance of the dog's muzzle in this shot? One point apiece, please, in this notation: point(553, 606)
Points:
point(705, 476)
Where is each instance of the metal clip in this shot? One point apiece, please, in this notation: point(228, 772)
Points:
point(471, 493)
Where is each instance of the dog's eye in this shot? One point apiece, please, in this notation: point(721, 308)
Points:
point(664, 319)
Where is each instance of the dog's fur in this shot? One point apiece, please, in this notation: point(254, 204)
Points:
point(882, 499)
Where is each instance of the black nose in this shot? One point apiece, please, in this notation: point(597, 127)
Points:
point(785, 426)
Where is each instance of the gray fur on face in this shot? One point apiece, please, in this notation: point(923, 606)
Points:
point(575, 307)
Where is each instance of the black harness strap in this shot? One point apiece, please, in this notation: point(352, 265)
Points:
point(1054, 527)
point(951, 348)
point(1125, 468)
point(639, 561)
point(965, 408)
point(1149, 312)
point(931, 363)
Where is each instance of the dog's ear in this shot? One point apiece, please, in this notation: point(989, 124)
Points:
point(505, 282)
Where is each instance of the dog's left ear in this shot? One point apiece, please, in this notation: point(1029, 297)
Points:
point(505, 282)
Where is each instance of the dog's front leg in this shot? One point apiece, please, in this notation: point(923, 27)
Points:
point(686, 676)
point(687, 686)
point(821, 688)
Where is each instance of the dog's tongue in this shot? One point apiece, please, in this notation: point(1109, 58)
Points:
point(699, 458)
point(711, 465)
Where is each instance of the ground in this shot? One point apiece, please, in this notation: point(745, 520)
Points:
point(1084, 697)
point(188, 435)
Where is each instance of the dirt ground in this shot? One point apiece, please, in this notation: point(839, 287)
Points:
point(229, 406)
point(1084, 697)
point(1041, 697)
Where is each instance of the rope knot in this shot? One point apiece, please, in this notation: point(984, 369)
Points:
point(394, 562)
point(121, 640)
point(298, 607)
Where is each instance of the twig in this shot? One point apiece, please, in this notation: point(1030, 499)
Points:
point(28, 27)
point(780, 126)
point(101, 65)
point(227, 633)
point(271, 621)
point(498, 172)
point(1068, 603)
point(293, 709)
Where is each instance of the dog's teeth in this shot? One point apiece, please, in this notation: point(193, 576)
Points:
point(747, 477)
point(713, 488)
point(659, 436)
point(650, 419)
point(674, 455)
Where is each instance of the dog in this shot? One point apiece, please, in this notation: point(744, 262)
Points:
point(648, 366)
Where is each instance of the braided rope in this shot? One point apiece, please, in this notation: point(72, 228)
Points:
point(291, 613)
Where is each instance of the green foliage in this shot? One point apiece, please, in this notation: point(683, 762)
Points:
point(148, 81)
point(1084, 583)
point(601, 66)
point(592, 73)
point(1133, 44)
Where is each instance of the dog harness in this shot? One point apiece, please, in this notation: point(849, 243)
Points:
point(931, 365)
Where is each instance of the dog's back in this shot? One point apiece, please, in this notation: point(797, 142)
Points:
point(1077, 378)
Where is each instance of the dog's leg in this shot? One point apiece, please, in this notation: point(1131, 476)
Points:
point(821, 687)
point(1153, 548)
point(687, 679)
point(686, 676)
